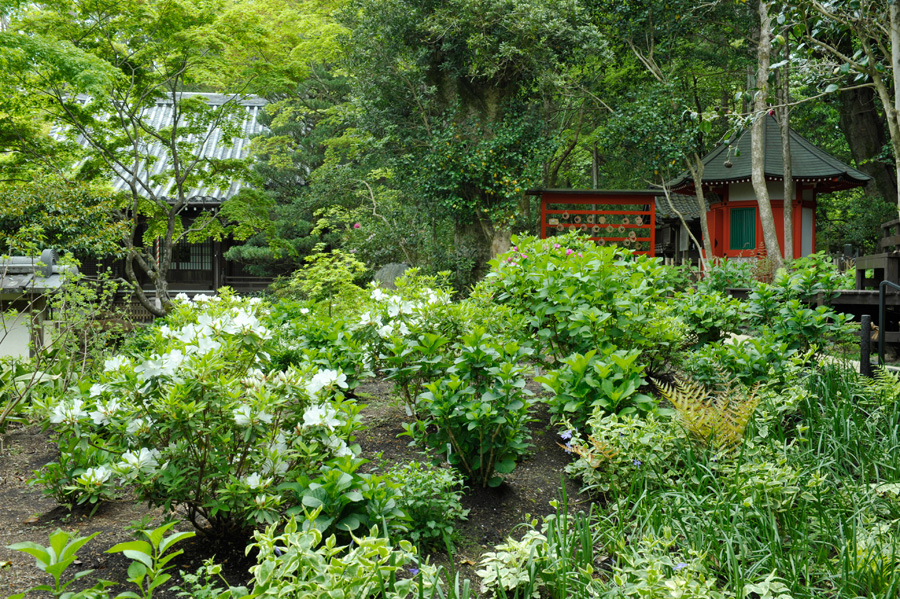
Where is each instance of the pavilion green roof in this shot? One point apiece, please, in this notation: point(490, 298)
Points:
point(731, 163)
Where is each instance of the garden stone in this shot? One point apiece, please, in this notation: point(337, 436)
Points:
point(389, 273)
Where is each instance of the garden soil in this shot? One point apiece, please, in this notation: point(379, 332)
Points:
point(28, 515)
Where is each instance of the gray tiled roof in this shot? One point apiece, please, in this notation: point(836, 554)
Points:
point(216, 146)
point(808, 163)
point(685, 204)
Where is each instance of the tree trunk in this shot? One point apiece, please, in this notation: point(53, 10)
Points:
point(695, 165)
point(764, 53)
point(784, 121)
point(864, 128)
point(895, 68)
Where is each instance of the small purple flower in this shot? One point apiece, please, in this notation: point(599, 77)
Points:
point(525, 255)
point(413, 571)
point(568, 448)
point(515, 249)
point(580, 255)
point(555, 246)
point(569, 252)
point(680, 566)
point(565, 436)
point(356, 225)
point(636, 462)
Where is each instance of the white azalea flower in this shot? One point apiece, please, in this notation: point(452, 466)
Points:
point(242, 416)
point(136, 426)
point(339, 447)
point(304, 310)
point(67, 413)
point(114, 363)
point(182, 297)
point(206, 344)
point(144, 459)
point(95, 476)
point(321, 416)
point(97, 389)
point(255, 481)
point(165, 365)
point(325, 378)
point(105, 411)
point(379, 295)
point(200, 298)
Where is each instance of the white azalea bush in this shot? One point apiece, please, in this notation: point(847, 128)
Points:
point(199, 420)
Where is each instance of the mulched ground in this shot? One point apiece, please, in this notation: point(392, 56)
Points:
point(27, 515)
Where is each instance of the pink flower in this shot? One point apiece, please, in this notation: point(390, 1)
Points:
point(569, 252)
point(524, 255)
point(555, 246)
point(356, 225)
point(579, 255)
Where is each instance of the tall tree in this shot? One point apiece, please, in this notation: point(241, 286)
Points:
point(461, 94)
point(126, 57)
point(757, 132)
point(872, 55)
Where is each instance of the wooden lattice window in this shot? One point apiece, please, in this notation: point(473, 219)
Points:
point(743, 229)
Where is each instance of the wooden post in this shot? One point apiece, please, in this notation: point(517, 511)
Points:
point(865, 346)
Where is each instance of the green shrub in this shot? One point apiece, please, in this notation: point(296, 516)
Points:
point(297, 563)
point(626, 450)
point(430, 498)
point(479, 414)
point(577, 296)
point(708, 314)
point(200, 424)
point(587, 383)
point(346, 500)
point(750, 360)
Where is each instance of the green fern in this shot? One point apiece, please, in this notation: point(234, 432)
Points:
point(717, 420)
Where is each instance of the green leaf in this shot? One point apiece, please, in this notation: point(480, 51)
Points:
point(136, 550)
point(506, 466)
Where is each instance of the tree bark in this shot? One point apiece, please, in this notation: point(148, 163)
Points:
point(785, 122)
point(895, 68)
point(864, 128)
point(695, 165)
point(758, 130)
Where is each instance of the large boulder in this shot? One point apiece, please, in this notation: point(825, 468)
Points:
point(389, 273)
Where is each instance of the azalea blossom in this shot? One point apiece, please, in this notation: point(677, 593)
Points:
point(97, 389)
point(326, 378)
point(104, 412)
point(138, 425)
point(244, 417)
point(321, 416)
point(95, 476)
point(144, 459)
point(182, 297)
point(339, 447)
point(164, 365)
point(255, 481)
point(67, 413)
point(114, 363)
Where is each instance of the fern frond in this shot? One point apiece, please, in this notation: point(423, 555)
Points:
point(714, 420)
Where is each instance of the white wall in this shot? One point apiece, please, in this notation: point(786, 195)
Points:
point(14, 335)
point(743, 192)
point(806, 234)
